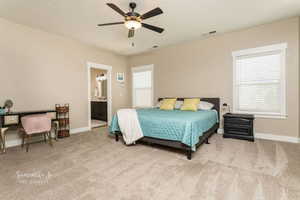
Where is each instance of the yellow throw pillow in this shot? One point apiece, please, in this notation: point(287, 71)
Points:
point(190, 104)
point(167, 104)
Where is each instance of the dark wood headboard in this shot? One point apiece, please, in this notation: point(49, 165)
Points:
point(213, 100)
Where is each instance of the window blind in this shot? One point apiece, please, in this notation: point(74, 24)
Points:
point(259, 83)
point(142, 88)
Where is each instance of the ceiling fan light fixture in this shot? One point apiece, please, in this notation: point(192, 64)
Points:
point(133, 24)
point(133, 20)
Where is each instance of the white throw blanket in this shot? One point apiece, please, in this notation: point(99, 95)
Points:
point(129, 125)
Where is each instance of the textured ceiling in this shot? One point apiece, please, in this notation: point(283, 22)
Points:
point(182, 20)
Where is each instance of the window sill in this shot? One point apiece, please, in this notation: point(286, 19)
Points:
point(265, 115)
point(270, 116)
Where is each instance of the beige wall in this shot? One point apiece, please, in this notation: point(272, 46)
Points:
point(39, 69)
point(204, 68)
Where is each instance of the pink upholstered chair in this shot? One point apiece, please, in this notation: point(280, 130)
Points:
point(36, 125)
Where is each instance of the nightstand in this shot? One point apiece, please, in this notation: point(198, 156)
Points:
point(239, 126)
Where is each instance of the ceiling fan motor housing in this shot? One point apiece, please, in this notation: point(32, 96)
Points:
point(133, 15)
point(132, 5)
point(133, 19)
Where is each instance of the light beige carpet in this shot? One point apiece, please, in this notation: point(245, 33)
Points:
point(93, 166)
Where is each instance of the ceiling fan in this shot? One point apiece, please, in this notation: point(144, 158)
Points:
point(133, 20)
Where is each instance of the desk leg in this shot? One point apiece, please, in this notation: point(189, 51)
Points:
point(3, 138)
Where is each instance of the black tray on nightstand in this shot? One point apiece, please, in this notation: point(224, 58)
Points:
point(239, 126)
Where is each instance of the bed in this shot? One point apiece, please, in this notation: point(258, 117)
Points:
point(185, 130)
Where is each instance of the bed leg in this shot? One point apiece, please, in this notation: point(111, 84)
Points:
point(206, 141)
point(189, 154)
point(117, 137)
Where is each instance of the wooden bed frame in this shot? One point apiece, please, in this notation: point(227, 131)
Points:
point(179, 145)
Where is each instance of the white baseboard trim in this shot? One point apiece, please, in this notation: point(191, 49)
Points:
point(79, 130)
point(18, 142)
point(281, 138)
point(267, 136)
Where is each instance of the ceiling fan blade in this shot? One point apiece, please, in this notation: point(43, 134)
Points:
point(153, 28)
point(131, 33)
point(107, 24)
point(152, 13)
point(116, 8)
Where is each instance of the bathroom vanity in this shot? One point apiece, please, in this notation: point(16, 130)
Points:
point(99, 110)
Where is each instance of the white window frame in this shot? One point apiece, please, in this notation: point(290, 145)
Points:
point(277, 47)
point(141, 69)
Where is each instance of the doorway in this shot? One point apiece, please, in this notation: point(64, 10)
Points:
point(99, 95)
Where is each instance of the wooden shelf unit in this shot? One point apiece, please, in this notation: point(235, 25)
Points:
point(62, 115)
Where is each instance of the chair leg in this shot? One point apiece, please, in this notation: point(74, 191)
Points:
point(50, 138)
point(45, 137)
point(23, 140)
point(56, 132)
point(1, 142)
point(27, 142)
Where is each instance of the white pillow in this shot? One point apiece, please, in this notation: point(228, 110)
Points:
point(178, 105)
point(158, 104)
point(203, 105)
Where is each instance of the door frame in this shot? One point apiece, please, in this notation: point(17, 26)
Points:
point(108, 68)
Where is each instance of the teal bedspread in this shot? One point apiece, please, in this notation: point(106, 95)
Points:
point(176, 125)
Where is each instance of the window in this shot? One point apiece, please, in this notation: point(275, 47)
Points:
point(259, 81)
point(142, 86)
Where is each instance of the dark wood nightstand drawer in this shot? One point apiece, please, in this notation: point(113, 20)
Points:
point(239, 121)
point(237, 130)
point(228, 125)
